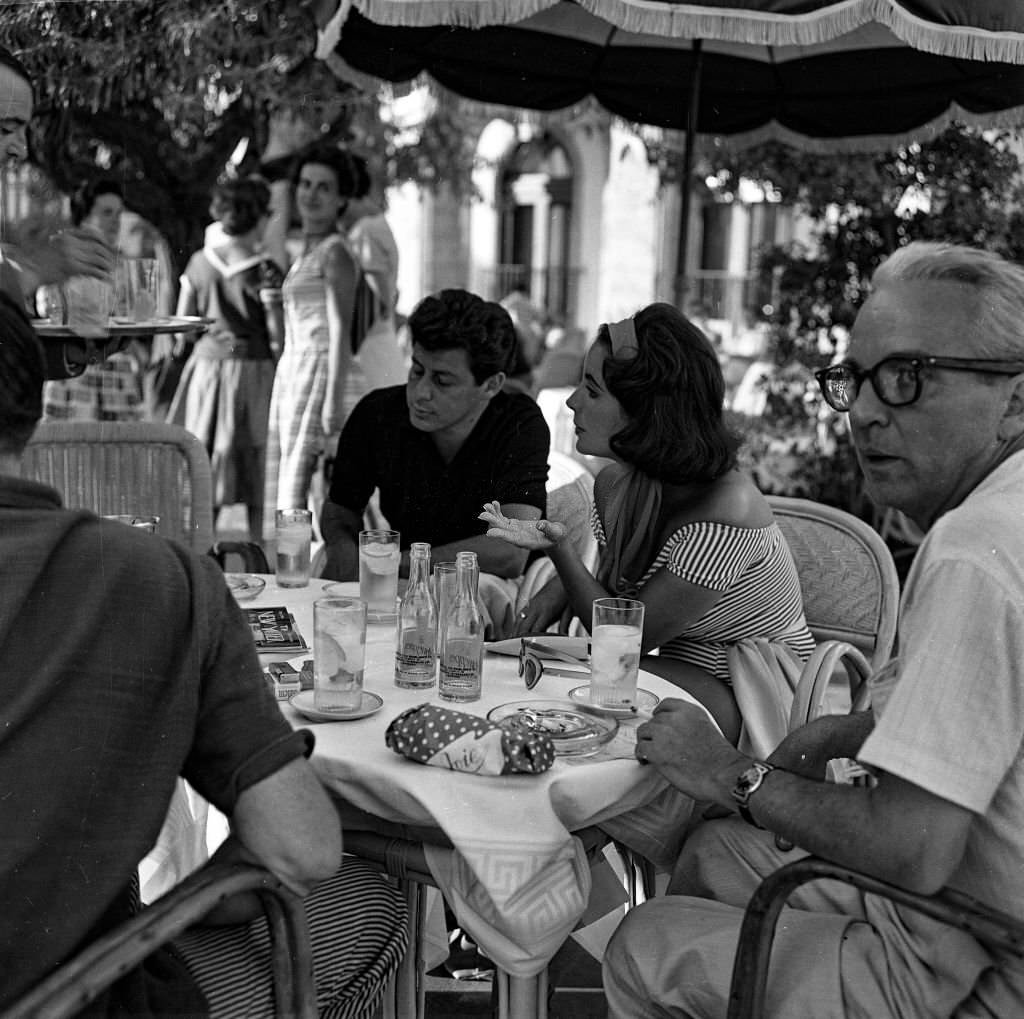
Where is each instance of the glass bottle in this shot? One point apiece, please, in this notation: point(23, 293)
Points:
point(462, 636)
point(415, 663)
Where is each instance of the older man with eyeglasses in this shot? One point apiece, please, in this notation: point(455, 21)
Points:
point(934, 386)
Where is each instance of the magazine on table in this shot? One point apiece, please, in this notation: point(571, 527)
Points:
point(274, 629)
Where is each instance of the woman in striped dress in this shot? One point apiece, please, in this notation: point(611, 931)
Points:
point(318, 381)
point(680, 527)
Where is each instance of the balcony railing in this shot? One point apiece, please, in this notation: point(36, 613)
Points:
point(553, 289)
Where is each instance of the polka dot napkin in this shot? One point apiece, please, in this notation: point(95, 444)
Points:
point(463, 742)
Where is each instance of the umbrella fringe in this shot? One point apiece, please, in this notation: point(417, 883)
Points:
point(463, 13)
point(685, 21)
point(693, 21)
point(957, 41)
point(1011, 119)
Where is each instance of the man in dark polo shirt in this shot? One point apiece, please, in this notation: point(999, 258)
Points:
point(125, 664)
point(441, 446)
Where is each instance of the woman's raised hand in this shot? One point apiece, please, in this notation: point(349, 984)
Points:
point(530, 534)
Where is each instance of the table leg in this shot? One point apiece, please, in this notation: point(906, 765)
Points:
point(522, 997)
point(407, 997)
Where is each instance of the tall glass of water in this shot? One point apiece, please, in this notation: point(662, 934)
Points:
point(339, 653)
point(379, 557)
point(615, 639)
point(293, 534)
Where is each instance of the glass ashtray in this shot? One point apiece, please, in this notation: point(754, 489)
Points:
point(573, 730)
point(244, 586)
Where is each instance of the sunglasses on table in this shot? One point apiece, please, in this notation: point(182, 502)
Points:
point(897, 380)
point(532, 667)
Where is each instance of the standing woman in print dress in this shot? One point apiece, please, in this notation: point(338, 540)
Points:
point(680, 527)
point(318, 381)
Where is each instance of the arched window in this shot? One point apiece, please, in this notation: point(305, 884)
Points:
point(535, 208)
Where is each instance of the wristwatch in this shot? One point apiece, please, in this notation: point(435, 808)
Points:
point(746, 785)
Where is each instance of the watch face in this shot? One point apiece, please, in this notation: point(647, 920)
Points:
point(751, 775)
point(749, 781)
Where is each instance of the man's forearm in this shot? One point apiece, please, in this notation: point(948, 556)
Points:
point(894, 830)
point(581, 587)
point(809, 748)
point(493, 555)
point(338, 522)
point(340, 527)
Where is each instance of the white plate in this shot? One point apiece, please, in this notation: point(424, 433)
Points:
point(305, 704)
point(577, 647)
point(645, 701)
point(244, 586)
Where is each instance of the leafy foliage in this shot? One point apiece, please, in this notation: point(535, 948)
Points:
point(963, 186)
point(158, 94)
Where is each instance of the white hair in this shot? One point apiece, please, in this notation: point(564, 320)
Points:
point(999, 284)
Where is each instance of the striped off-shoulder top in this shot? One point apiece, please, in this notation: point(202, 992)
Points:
point(753, 569)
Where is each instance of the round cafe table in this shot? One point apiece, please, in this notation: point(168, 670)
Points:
point(506, 859)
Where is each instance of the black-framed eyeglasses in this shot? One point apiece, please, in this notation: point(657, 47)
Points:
point(532, 667)
point(897, 380)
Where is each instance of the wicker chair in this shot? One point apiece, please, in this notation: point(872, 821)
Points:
point(80, 980)
point(750, 969)
point(141, 468)
point(847, 576)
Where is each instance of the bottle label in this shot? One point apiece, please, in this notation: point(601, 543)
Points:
point(460, 667)
point(414, 661)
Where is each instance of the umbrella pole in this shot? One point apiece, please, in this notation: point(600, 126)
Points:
point(686, 185)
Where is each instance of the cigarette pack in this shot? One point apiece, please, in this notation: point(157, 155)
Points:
point(286, 681)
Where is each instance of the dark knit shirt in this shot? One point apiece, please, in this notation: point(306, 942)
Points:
point(503, 458)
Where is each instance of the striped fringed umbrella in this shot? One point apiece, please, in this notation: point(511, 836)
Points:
point(825, 75)
point(819, 74)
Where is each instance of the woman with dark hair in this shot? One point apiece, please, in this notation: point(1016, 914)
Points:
point(223, 396)
point(319, 379)
point(680, 527)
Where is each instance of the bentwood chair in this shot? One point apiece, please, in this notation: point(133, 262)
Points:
point(996, 930)
point(79, 981)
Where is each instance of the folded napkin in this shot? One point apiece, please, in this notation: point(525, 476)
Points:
point(462, 742)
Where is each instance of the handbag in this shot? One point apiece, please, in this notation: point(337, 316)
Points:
point(364, 311)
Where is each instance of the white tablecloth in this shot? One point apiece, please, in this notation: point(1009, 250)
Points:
point(517, 879)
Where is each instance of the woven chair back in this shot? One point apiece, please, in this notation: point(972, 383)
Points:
point(847, 575)
point(137, 468)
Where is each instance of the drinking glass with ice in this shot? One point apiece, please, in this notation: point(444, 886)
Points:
point(293, 534)
point(615, 640)
point(339, 649)
point(379, 558)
